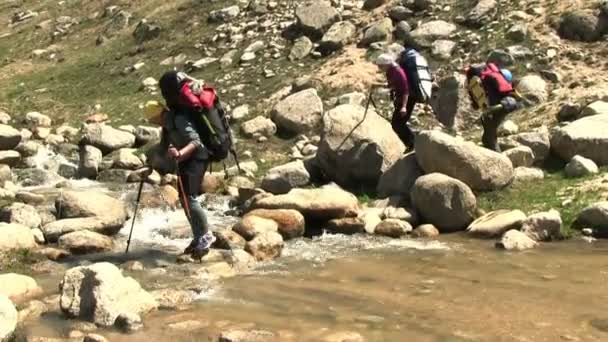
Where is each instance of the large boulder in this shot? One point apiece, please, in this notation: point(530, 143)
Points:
point(15, 236)
point(9, 137)
point(315, 17)
point(452, 101)
point(338, 35)
point(20, 213)
point(496, 223)
point(85, 241)
point(251, 226)
point(8, 319)
point(580, 167)
point(545, 226)
point(378, 32)
point(291, 223)
point(324, 203)
point(266, 246)
point(74, 204)
point(534, 88)
point(393, 228)
point(356, 149)
point(399, 178)
point(516, 240)
point(582, 25)
point(595, 216)
point(479, 168)
point(587, 137)
point(99, 224)
point(298, 113)
point(427, 33)
point(18, 288)
point(482, 13)
point(281, 179)
point(445, 202)
point(89, 161)
point(106, 138)
point(99, 293)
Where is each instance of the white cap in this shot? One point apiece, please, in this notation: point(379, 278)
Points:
point(385, 59)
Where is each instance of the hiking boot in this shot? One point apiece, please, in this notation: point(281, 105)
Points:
point(191, 246)
point(203, 245)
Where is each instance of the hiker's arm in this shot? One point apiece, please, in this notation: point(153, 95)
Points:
point(186, 128)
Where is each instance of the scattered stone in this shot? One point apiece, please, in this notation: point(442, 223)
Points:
point(229, 239)
point(10, 158)
point(32, 310)
point(580, 167)
point(133, 265)
point(520, 156)
point(428, 32)
point(508, 127)
point(527, 174)
point(483, 13)
point(403, 214)
point(18, 288)
point(393, 228)
point(538, 141)
point(545, 226)
point(225, 14)
point(581, 25)
point(479, 168)
point(324, 203)
point(146, 134)
point(445, 202)
point(106, 138)
point(534, 88)
point(425, 231)
point(239, 113)
point(171, 299)
point(251, 226)
point(84, 242)
point(129, 322)
point(8, 319)
point(281, 179)
point(314, 18)
point(346, 226)
point(89, 161)
point(298, 113)
point(301, 48)
point(258, 126)
point(378, 32)
point(237, 335)
point(338, 36)
point(266, 246)
point(443, 49)
point(94, 338)
point(344, 336)
point(496, 223)
point(291, 223)
point(99, 293)
point(516, 240)
point(20, 213)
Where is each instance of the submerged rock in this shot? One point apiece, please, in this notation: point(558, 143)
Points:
point(496, 223)
point(393, 228)
point(516, 240)
point(18, 288)
point(266, 246)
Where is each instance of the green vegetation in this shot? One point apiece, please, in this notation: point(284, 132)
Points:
point(18, 261)
point(552, 192)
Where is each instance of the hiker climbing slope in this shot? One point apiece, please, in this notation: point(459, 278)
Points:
point(491, 91)
point(183, 143)
point(403, 103)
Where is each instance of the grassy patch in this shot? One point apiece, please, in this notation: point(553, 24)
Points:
point(537, 196)
point(18, 261)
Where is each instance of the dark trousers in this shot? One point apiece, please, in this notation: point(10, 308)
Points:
point(399, 122)
point(491, 120)
point(191, 173)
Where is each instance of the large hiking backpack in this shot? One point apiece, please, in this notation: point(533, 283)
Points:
point(478, 85)
point(418, 73)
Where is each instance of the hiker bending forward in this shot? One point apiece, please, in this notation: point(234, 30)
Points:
point(184, 145)
point(403, 103)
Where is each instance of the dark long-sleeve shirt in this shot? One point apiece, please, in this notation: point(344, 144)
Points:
point(179, 130)
point(397, 81)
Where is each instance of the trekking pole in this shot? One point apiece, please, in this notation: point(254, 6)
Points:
point(181, 190)
point(141, 186)
point(370, 100)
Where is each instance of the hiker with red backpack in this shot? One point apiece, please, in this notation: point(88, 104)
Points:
point(192, 147)
point(491, 91)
